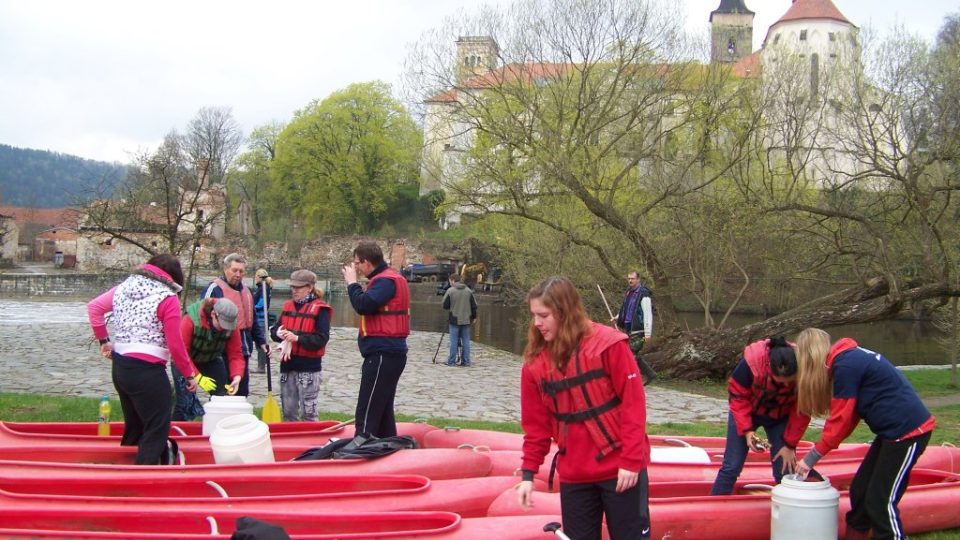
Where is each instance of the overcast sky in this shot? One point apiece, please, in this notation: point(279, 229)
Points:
point(103, 78)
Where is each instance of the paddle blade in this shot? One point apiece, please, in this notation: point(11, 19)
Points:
point(271, 411)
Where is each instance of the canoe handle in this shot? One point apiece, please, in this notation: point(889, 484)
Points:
point(678, 442)
point(214, 530)
point(218, 488)
point(451, 428)
point(554, 527)
point(178, 430)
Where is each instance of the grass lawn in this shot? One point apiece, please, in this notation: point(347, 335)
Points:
point(931, 383)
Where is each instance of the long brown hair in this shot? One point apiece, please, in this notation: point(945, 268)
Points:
point(814, 381)
point(560, 296)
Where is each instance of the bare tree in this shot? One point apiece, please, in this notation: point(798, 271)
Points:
point(594, 134)
point(213, 139)
point(577, 126)
point(163, 205)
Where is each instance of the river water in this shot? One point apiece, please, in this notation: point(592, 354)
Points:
point(504, 327)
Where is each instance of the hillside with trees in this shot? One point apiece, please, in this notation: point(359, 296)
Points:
point(44, 179)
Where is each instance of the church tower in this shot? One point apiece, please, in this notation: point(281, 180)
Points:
point(476, 55)
point(731, 32)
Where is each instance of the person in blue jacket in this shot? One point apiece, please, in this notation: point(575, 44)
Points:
point(844, 383)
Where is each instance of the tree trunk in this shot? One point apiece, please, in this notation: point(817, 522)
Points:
point(706, 353)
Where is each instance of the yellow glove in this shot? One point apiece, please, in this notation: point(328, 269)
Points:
point(209, 384)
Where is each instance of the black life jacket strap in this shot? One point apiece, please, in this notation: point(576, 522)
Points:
point(553, 470)
point(588, 414)
point(552, 388)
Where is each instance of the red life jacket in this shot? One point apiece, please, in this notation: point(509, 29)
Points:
point(393, 318)
point(584, 391)
point(770, 399)
point(304, 321)
point(242, 299)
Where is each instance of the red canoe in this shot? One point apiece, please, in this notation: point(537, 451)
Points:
point(51, 522)
point(454, 437)
point(929, 504)
point(469, 497)
point(437, 464)
point(187, 434)
point(943, 458)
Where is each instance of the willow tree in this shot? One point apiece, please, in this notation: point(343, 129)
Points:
point(341, 161)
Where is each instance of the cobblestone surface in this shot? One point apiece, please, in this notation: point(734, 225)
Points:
point(62, 359)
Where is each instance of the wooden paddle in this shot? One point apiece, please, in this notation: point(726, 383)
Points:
point(271, 411)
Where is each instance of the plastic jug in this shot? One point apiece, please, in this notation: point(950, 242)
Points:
point(220, 407)
point(241, 438)
point(804, 510)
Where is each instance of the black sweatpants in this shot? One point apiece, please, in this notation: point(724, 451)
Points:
point(378, 386)
point(583, 506)
point(145, 397)
point(879, 485)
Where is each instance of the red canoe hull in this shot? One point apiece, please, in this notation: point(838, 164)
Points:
point(437, 464)
point(468, 497)
point(51, 522)
point(290, 434)
point(929, 504)
point(944, 458)
point(453, 437)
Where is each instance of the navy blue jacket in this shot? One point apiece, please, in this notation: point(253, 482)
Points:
point(367, 303)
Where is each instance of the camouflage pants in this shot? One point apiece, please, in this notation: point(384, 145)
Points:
point(300, 393)
point(636, 341)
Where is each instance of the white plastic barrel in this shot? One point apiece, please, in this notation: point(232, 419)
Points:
point(241, 438)
point(220, 407)
point(804, 510)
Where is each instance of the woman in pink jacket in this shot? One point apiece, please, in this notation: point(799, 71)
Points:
point(146, 321)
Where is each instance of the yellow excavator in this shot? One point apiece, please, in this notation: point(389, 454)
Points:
point(472, 274)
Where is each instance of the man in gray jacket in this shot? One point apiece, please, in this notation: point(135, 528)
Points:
point(463, 311)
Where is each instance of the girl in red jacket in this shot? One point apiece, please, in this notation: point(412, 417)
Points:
point(763, 394)
point(580, 387)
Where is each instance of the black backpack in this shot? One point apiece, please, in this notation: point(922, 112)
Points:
point(370, 449)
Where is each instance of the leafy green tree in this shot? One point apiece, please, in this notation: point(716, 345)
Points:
point(251, 177)
point(341, 162)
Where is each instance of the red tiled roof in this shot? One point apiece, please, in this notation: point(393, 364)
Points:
point(529, 72)
point(812, 9)
point(58, 233)
point(46, 217)
point(748, 66)
point(512, 72)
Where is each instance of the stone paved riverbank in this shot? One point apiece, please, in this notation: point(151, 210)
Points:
point(62, 359)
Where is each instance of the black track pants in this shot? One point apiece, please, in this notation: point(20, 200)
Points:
point(583, 506)
point(145, 397)
point(378, 386)
point(879, 485)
